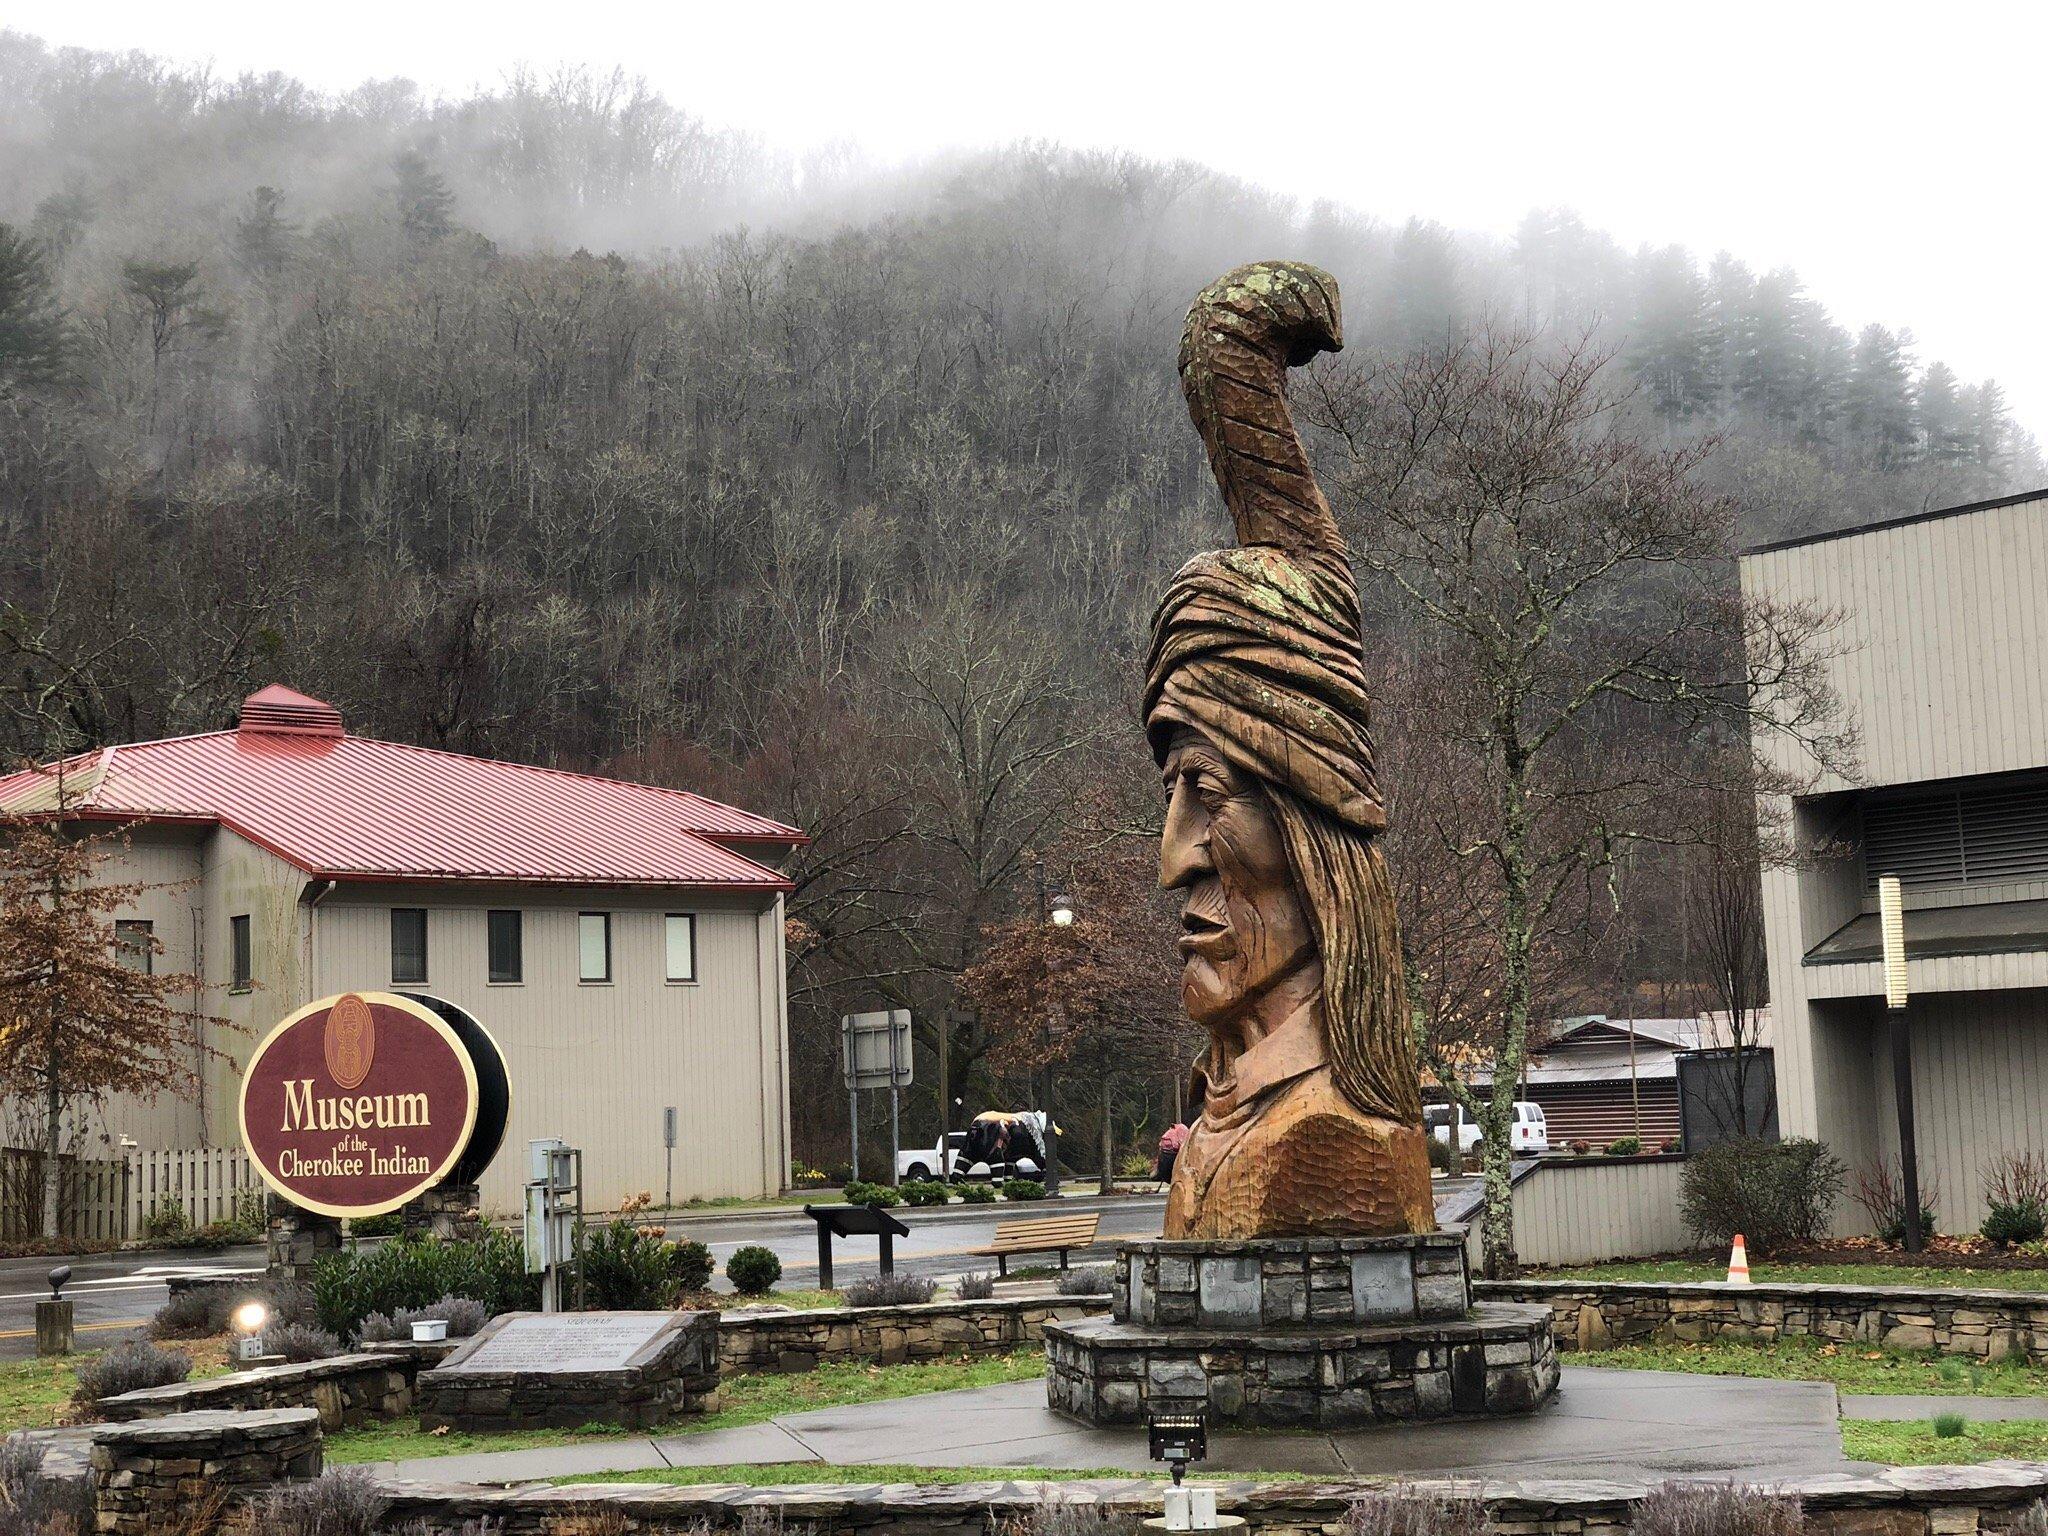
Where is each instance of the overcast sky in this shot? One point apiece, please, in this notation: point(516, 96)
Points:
point(1890, 152)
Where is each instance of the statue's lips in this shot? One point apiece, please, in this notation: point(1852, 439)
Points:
point(1206, 936)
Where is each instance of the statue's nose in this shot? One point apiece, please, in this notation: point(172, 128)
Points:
point(1184, 845)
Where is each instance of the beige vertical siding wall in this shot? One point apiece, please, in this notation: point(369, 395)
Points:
point(596, 1064)
point(1586, 1211)
point(1940, 654)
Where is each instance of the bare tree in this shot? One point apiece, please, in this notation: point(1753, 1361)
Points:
point(1573, 614)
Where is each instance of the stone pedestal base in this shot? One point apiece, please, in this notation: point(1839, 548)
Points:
point(1301, 1333)
point(297, 1241)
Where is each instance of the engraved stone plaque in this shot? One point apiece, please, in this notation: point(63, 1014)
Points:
point(565, 1341)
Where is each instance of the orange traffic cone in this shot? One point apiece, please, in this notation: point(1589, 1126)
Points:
point(1738, 1263)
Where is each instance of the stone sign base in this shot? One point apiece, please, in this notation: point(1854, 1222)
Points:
point(533, 1370)
point(1301, 1332)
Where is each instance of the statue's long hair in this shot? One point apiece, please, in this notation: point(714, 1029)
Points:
point(1343, 880)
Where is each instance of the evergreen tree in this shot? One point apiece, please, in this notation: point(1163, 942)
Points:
point(1731, 287)
point(32, 339)
point(1878, 413)
point(1990, 434)
point(1670, 337)
point(424, 201)
point(1945, 425)
point(263, 235)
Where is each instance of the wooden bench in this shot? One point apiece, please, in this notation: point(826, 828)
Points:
point(1044, 1234)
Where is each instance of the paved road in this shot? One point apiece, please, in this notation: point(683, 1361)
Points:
point(941, 1240)
point(112, 1293)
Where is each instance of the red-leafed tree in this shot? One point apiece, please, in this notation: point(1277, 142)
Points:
point(80, 1018)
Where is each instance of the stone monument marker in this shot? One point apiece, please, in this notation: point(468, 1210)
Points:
point(560, 1369)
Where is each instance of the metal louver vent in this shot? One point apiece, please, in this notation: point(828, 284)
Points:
point(1972, 834)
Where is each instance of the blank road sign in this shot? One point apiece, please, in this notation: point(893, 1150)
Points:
point(875, 1048)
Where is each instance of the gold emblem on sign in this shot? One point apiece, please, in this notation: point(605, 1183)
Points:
point(351, 1041)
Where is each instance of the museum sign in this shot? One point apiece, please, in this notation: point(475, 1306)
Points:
point(358, 1103)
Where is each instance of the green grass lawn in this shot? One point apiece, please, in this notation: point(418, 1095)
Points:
point(1915, 1444)
point(1850, 1367)
point(743, 1400)
point(1920, 1277)
point(35, 1394)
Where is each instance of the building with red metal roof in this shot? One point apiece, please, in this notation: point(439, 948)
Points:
point(623, 942)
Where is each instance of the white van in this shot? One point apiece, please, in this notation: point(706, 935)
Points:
point(1529, 1135)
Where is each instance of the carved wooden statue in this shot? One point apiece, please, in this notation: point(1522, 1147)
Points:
point(1255, 705)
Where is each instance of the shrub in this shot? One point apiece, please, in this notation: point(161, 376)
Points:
point(1625, 1146)
point(924, 1192)
point(976, 1285)
point(1579, 1148)
point(1057, 1515)
point(343, 1503)
point(1880, 1191)
point(193, 1314)
point(861, 1192)
point(1137, 1163)
point(300, 1342)
point(1947, 1426)
point(1399, 1511)
point(1670, 1146)
point(130, 1366)
point(463, 1317)
point(32, 1503)
point(1023, 1189)
point(1441, 1155)
point(2012, 1225)
point(627, 1268)
point(390, 1224)
point(1773, 1192)
point(166, 1223)
point(1089, 1280)
point(2016, 1189)
point(896, 1290)
point(1717, 1509)
point(753, 1270)
point(418, 1272)
point(977, 1194)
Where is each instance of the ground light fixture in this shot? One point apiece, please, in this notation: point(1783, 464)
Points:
point(1891, 918)
point(250, 1319)
point(1180, 1439)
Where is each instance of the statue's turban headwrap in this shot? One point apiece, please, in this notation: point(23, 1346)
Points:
point(1258, 647)
point(1258, 650)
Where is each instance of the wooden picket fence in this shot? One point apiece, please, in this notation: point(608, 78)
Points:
point(92, 1197)
point(207, 1183)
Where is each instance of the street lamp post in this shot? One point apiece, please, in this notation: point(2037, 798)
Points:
point(1061, 916)
point(1892, 923)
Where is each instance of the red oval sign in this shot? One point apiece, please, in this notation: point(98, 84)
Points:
point(357, 1103)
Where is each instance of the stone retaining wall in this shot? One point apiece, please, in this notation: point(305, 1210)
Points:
point(1598, 1315)
point(804, 1340)
point(1910, 1501)
point(145, 1475)
point(347, 1391)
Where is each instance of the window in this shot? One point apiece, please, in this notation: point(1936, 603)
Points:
point(135, 944)
point(682, 946)
point(408, 945)
point(508, 957)
point(245, 967)
point(594, 946)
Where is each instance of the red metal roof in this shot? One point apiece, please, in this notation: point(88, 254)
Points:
point(351, 808)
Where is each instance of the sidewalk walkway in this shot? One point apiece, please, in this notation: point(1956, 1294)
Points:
point(1606, 1424)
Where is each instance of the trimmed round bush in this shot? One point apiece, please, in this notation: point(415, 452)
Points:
point(1023, 1189)
point(752, 1270)
point(923, 1192)
point(861, 1192)
point(2010, 1225)
point(977, 1194)
point(1625, 1146)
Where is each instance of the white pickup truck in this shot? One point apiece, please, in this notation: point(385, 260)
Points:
point(923, 1162)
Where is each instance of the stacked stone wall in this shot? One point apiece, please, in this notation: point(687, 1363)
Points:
point(802, 1341)
point(1909, 1501)
point(1990, 1325)
point(347, 1391)
point(147, 1475)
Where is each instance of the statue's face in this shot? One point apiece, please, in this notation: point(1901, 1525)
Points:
point(1244, 927)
